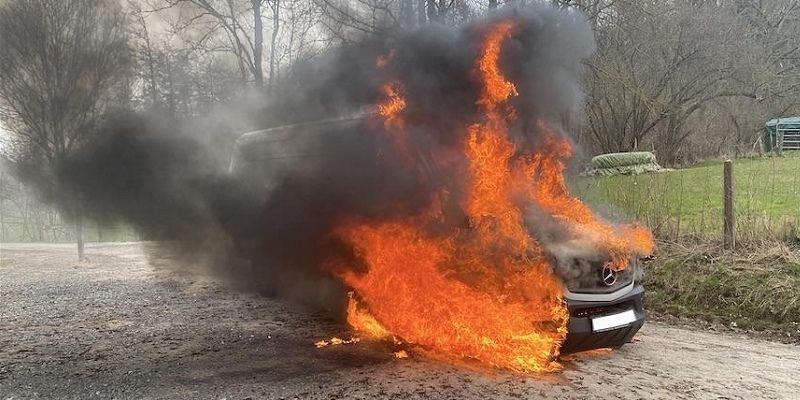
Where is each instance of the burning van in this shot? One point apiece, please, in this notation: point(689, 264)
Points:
point(604, 304)
point(445, 212)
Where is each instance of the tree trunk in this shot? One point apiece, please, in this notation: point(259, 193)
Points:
point(421, 17)
point(408, 14)
point(276, 24)
point(233, 30)
point(433, 11)
point(79, 236)
point(77, 215)
point(258, 45)
point(151, 64)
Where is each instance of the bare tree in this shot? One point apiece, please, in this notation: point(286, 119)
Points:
point(345, 19)
point(775, 26)
point(239, 22)
point(301, 35)
point(60, 62)
point(657, 65)
point(148, 53)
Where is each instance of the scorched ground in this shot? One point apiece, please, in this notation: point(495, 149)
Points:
point(121, 326)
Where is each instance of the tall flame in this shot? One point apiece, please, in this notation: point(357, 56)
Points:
point(485, 292)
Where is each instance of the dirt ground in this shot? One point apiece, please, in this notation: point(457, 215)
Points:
point(115, 327)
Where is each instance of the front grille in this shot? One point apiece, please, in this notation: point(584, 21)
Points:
point(586, 276)
point(593, 283)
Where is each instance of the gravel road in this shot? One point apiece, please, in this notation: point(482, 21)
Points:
point(116, 327)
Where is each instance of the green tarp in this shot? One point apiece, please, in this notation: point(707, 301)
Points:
point(631, 163)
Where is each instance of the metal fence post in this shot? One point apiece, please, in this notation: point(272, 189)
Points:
point(729, 223)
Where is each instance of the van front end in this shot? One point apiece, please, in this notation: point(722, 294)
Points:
point(603, 320)
point(605, 306)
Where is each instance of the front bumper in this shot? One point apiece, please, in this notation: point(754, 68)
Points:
point(581, 337)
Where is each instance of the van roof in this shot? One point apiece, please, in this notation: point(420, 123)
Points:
point(263, 134)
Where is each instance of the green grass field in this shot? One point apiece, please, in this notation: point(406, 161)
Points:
point(689, 201)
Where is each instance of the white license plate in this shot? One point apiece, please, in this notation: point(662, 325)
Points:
point(613, 321)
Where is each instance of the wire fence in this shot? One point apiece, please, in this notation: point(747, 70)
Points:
point(23, 218)
point(689, 202)
point(15, 228)
point(674, 204)
point(14, 231)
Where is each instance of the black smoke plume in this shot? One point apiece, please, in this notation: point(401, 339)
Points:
point(268, 220)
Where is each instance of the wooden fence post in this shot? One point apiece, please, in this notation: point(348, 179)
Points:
point(729, 223)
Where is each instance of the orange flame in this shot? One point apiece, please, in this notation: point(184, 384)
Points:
point(394, 104)
point(543, 174)
point(487, 292)
point(400, 354)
